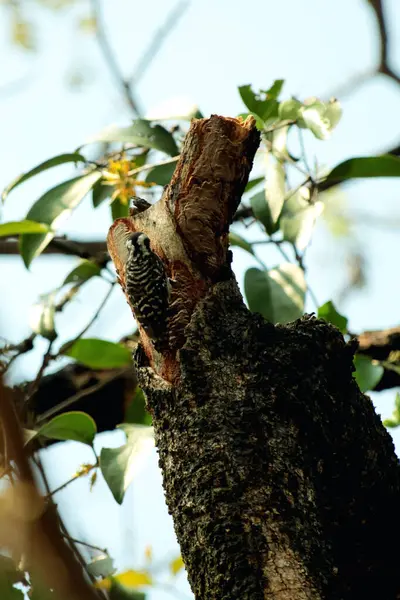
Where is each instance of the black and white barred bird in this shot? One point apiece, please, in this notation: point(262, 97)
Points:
point(147, 286)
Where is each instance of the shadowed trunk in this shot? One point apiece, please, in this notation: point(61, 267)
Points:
point(280, 478)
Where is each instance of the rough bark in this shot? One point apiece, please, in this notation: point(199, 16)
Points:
point(281, 480)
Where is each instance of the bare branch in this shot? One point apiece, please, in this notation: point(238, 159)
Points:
point(36, 532)
point(159, 39)
point(111, 61)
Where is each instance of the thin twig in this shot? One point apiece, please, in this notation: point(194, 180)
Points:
point(92, 546)
point(159, 39)
point(76, 476)
point(68, 345)
point(111, 61)
point(46, 360)
point(47, 553)
point(81, 394)
point(150, 166)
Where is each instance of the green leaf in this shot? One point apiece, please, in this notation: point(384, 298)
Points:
point(101, 566)
point(278, 294)
point(120, 465)
point(100, 193)
point(289, 109)
point(237, 240)
point(252, 183)
point(275, 89)
point(368, 166)
point(141, 133)
point(263, 104)
point(84, 271)
point(391, 423)
point(99, 354)
point(278, 141)
point(314, 120)
point(333, 112)
point(328, 312)
point(299, 217)
point(119, 209)
point(136, 410)
point(367, 374)
point(161, 174)
point(261, 210)
point(41, 316)
point(267, 205)
point(48, 164)
point(275, 188)
point(319, 117)
point(394, 421)
point(53, 208)
point(74, 425)
point(18, 227)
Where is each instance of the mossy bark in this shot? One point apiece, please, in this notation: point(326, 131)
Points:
point(280, 478)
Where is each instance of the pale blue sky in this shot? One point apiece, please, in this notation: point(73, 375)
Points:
point(218, 45)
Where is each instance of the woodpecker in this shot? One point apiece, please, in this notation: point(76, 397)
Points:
point(148, 289)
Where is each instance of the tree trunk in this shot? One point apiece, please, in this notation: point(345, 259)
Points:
point(280, 478)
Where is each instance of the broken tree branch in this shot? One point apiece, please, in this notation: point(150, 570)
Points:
point(281, 479)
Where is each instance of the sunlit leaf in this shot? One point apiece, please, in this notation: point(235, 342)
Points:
point(41, 316)
point(74, 425)
point(142, 133)
point(253, 183)
point(84, 271)
point(333, 112)
point(367, 166)
point(319, 117)
point(278, 141)
point(18, 227)
point(237, 240)
point(367, 374)
point(53, 208)
point(328, 312)
point(99, 354)
point(47, 164)
point(161, 174)
point(176, 565)
point(275, 187)
point(120, 465)
point(314, 120)
point(298, 218)
point(278, 294)
point(101, 566)
point(289, 109)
